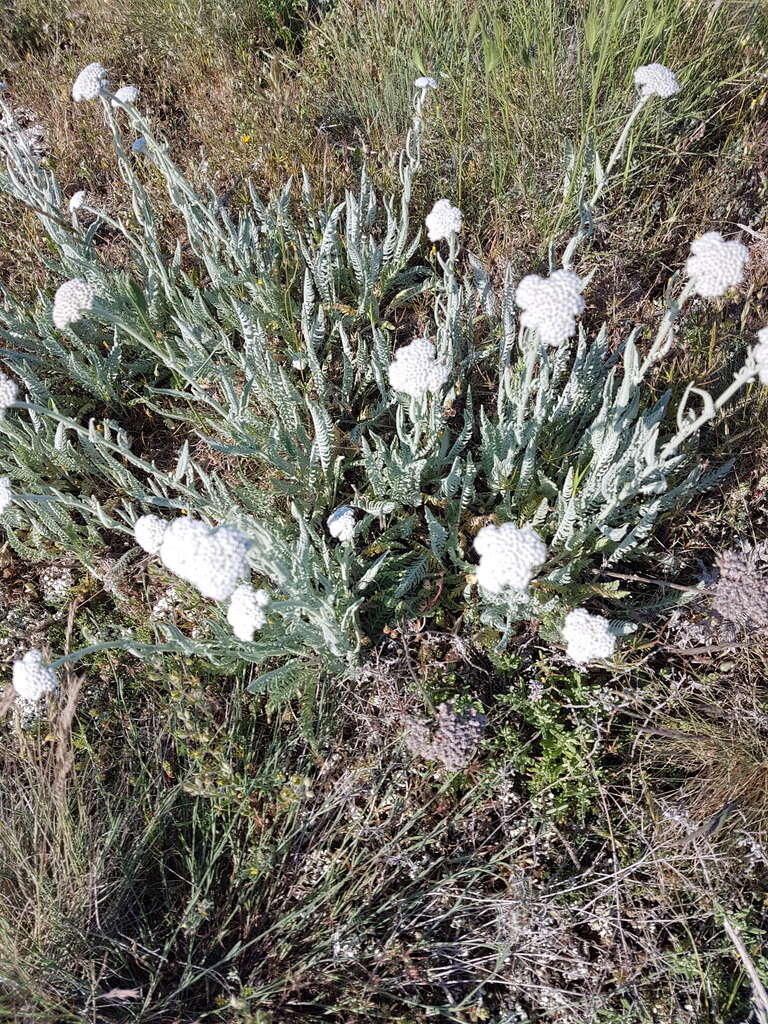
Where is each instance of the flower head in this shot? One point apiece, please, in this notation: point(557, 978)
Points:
point(33, 677)
point(656, 80)
point(126, 94)
point(760, 355)
point(89, 82)
point(551, 304)
point(213, 559)
point(247, 611)
point(415, 369)
point(425, 82)
point(589, 637)
point(715, 265)
point(77, 201)
point(443, 221)
point(148, 531)
point(72, 299)
point(6, 494)
point(341, 523)
point(8, 392)
point(509, 556)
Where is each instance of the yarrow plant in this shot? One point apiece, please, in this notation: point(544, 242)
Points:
point(715, 265)
point(89, 83)
point(33, 677)
point(72, 301)
point(656, 80)
point(550, 305)
point(415, 370)
point(341, 523)
point(588, 637)
point(443, 221)
point(274, 348)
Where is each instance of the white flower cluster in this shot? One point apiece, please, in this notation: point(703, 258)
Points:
point(126, 94)
point(656, 80)
point(341, 523)
point(72, 299)
point(33, 677)
point(715, 265)
point(78, 200)
point(589, 637)
point(425, 82)
point(6, 494)
point(247, 611)
point(443, 221)
point(213, 559)
point(551, 304)
point(760, 355)
point(149, 531)
point(415, 369)
point(89, 82)
point(8, 393)
point(509, 556)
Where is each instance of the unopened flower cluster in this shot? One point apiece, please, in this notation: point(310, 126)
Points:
point(33, 677)
point(89, 82)
point(740, 595)
point(212, 559)
point(341, 523)
point(443, 221)
point(425, 82)
point(453, 739)
point(72, 300)
point(510, 556)
point(416, 370)
point(656, 80)
point(551, 304)
point(588, 637)
point(247, 611)
point(715, 265)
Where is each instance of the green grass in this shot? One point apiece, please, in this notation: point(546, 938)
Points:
point(222, 861)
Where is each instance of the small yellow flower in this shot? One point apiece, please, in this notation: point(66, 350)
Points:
point(245, 138)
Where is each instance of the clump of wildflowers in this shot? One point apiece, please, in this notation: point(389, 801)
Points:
point(33, 677)
point(91, 80)
point(443, 221)
point(510, 556)
point(247, 611)
point(415, 369)
point(760, 355)
point(656, 80)
point(6, 493)
point(341, 523)
point(551, 304)
point(8, 393)
point(213, 559)
point(715, 265)
point(149, 531)
point(588, 637)
point(71, 301)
